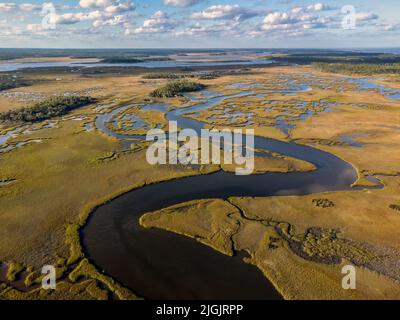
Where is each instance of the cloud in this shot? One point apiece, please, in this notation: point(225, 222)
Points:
point(296, 21)
point(218, 29)
point(97, 3)
point(8, 6)
point(320, 7)
point(11, 6)
point(99, 19)
point(35, 29)
point(107, 13)
point(181, 3)
point(313, 8)
point(29, 7)
point(391, 27)
point(366, 16)
point(113, 21)
point(225, 12)
point(109, 6)
point(157, 23)
point(120, 7)
point(72, 18)
point(277, 18)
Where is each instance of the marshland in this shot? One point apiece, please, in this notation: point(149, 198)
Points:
point(77, 191)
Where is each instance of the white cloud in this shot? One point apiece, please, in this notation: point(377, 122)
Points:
point(316, 7)
point(225, 12)
point(219, 29)
point(97, 3)
point(72, 18)
point(11, 6)
point(276, 18)
point(99, 19)
point(319, 7)
point(113, 21)
point(297, 21)
point(181, 3)
point(29, 7)
point(109, 6)
point(120, 7)
point(391, 27)
point(7, 6)
point(35, 29)
point(158, 22)
point(108, 13)
point(366, 16)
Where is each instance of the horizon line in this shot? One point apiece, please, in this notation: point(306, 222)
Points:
point(202, 48)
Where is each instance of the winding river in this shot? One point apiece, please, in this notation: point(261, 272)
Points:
point(161, 265)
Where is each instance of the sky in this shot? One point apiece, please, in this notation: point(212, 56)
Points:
point(199, 24)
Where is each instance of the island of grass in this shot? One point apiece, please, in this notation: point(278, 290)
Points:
point(46, 109)
point(176, 89)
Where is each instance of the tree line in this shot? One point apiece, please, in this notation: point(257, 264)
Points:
point(360, 68)
point(46, 109)
point(176, 89)
point(9, 82)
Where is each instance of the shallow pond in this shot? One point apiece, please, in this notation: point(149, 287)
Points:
point(367, 84)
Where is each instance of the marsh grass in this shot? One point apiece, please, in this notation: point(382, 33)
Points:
point(60, 186)
point(13, 270)
point(87, 270)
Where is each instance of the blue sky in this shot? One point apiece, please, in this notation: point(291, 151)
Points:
point(199, 23)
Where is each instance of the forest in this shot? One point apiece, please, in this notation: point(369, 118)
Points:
point(46, 109)
point(176, 89)
point(360, 68)
point(8, 82)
